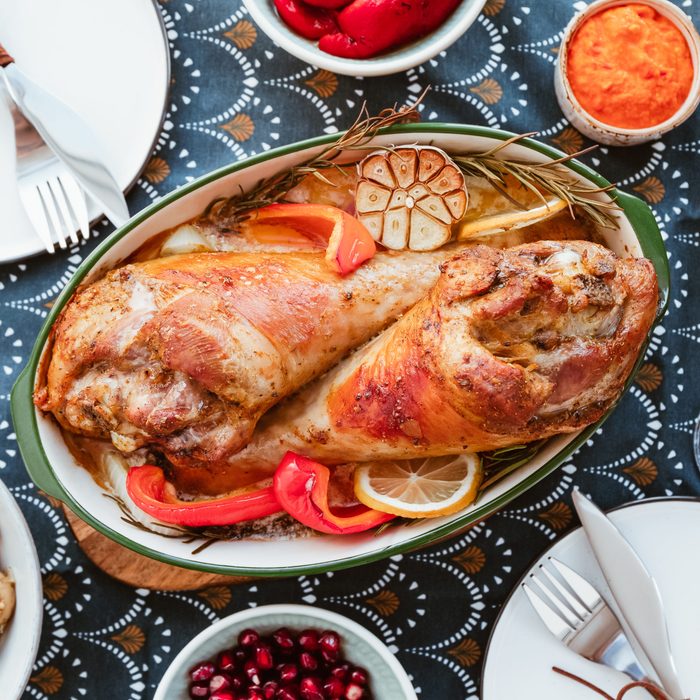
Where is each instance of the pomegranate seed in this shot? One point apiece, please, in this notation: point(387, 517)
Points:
point(203, 672)
point(251, 670)
point(222, 695)
point(270, 689)
point(308, 661)
point(255, 693)
point(289, 692)
point(333, 688)
point(283, 639)
point(240, 656)
point(221, 681)
point(330, 641)
point(248, 638)
point(308, 640)
point(354, 692)
point(226, 661)
point(358, 675)
point(310, 688)
point(263, 657)
point(199, 690)
point(340, 671)
point(238, 681)
point(287, 672)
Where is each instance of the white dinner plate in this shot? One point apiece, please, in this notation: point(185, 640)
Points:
point(521, 652)
point(19, 644)
point(107, 60)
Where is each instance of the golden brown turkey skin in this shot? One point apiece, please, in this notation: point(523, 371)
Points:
point(185, 353)
point(510, 346)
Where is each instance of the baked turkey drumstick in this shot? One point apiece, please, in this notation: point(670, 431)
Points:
point(510, 346)
point(185, 353)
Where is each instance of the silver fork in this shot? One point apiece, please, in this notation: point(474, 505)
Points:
point(53, 200)
point(575, 613)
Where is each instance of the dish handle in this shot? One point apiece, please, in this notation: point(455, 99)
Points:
point(24, 419)
point(642, 220)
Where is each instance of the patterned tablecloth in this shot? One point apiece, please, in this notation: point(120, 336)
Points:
point(233, 94)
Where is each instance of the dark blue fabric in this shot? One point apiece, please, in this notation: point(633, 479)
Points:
point(436, 606)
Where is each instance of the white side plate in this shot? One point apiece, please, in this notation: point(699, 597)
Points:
point(666, 535)
point(109, 62)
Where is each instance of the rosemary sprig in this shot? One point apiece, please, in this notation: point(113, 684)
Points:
point(205, 536)
point(225, 213)
point(499, 463)
point(539, 178)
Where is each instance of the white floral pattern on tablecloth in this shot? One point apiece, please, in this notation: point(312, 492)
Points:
point(234, 94)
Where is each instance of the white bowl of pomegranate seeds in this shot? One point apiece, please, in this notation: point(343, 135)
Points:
point(285, 652)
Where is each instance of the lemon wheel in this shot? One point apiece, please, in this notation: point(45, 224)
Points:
point(420, 488)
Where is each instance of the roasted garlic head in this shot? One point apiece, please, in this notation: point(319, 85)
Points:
point(410, 197)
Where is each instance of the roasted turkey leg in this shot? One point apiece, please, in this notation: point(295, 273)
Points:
point(186, 352)
point(510, 346)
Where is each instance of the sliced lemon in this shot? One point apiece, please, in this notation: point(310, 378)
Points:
point(419, 488)
point(490, 212)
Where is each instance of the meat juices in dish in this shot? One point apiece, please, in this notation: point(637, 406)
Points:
point(185, 353)
point(509, 347)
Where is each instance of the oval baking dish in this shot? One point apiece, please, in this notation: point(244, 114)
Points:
point(54, 469)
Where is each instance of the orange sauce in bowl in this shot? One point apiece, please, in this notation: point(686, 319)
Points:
point(630, 66)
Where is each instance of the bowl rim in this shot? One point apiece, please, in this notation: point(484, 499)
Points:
point(402, 58)
point(32, 589)
point(24, 415)
point(692, 38)
point(331, 618)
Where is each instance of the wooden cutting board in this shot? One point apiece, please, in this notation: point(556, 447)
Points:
point(135, 569)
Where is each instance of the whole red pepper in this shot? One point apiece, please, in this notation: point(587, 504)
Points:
point(369, 27)
point(152, 493)
point(301, 487)
point(310, 22)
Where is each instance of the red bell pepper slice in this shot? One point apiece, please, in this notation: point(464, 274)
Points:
point(347, 240)
point(152, 493)
point(301, 487)
point(306, 20)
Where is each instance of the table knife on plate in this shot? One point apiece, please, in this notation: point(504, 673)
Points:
point(68, 136)
point(635, 593)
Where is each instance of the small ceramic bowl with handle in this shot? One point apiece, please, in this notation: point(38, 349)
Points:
point(612, 135)
point(387, 678)
point(397, 60)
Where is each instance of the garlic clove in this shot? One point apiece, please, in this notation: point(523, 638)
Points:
point(435, 206)
point(377, 169)
point(431, 162)
point(374, 223)
point(404, 163)
point(449, 179)
point(426, 232)
point(372, 197)
point(396, 225)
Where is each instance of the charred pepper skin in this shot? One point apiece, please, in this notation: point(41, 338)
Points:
point(308, 21)
point(370, 27)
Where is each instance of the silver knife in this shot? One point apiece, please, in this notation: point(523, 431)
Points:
point(68, 136)
point(635, 593)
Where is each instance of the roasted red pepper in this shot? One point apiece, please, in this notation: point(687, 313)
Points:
point(301, 487)
point(152, 493)
point(328, 4)
point(348, 242)
point(369, 27)
point(310, 22)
